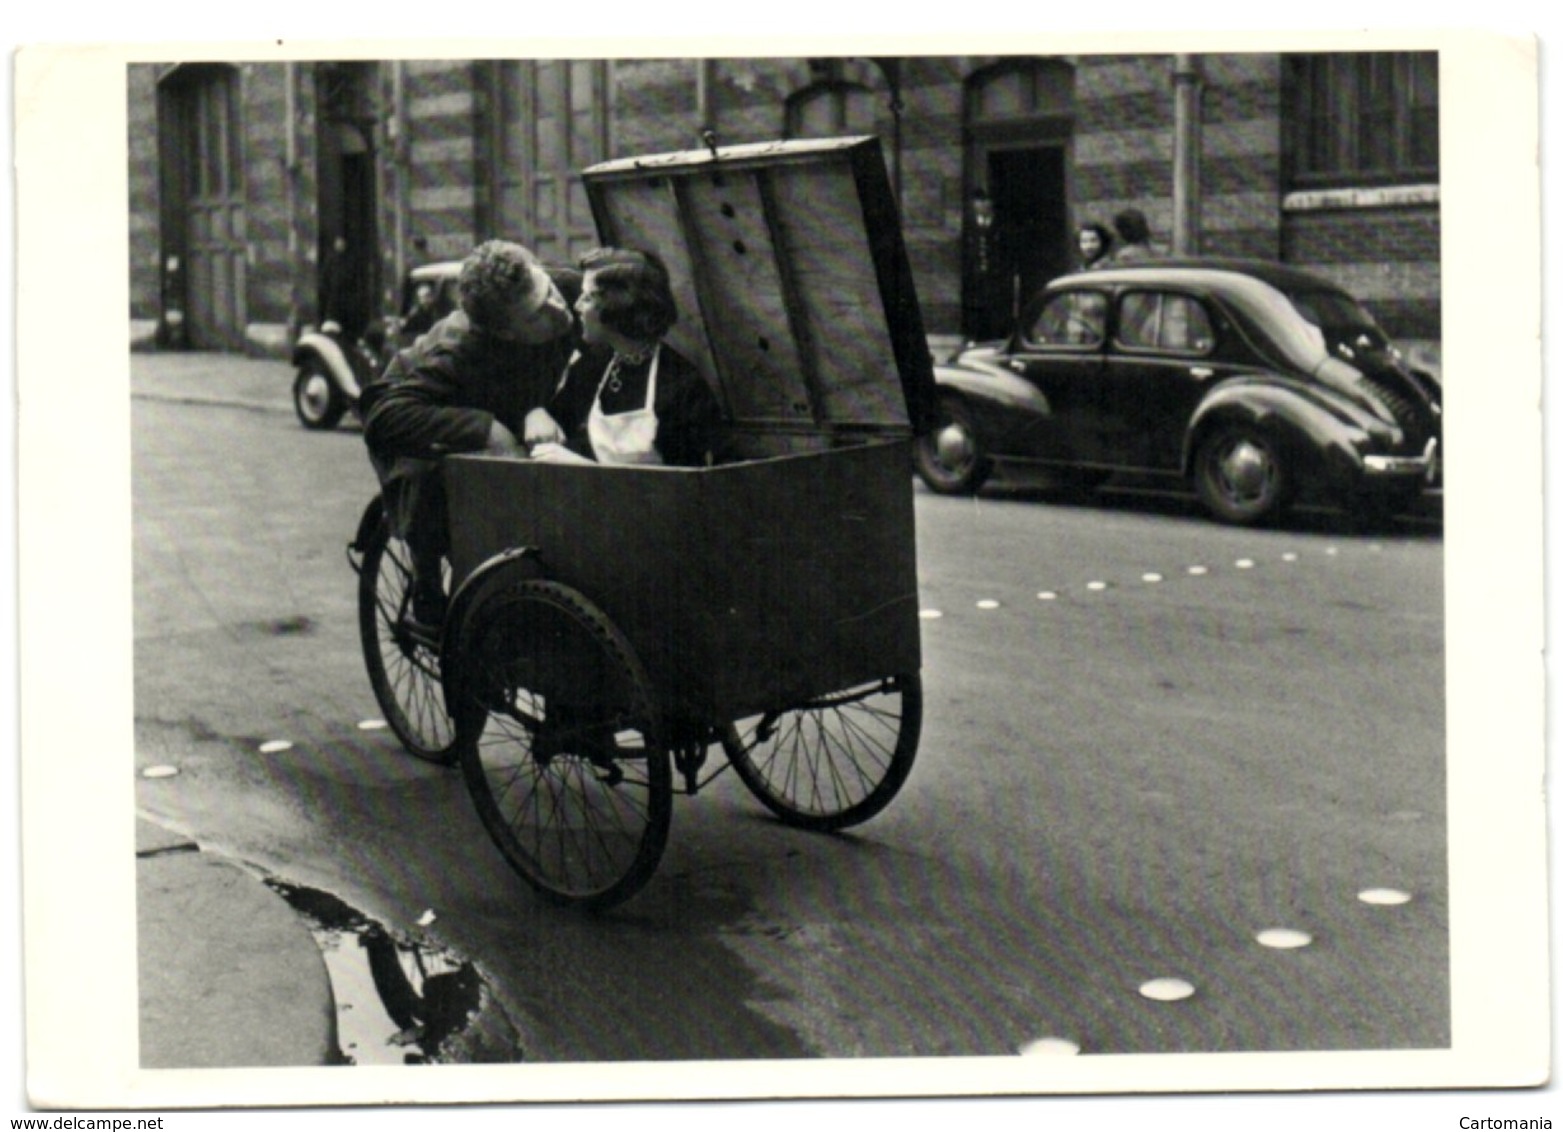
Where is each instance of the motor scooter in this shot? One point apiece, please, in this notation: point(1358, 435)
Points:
point(333, 370)
point(333, 367)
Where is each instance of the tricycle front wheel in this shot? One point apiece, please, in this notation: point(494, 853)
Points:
point(833, 762)
point(560, 744)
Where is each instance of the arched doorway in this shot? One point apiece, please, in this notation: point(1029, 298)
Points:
point(203, 217)
point(348, 200)
point(1019, 121)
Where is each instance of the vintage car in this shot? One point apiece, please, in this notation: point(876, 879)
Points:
point(331, 368)
point(1257, 384)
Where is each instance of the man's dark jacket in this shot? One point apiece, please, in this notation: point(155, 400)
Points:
point(441, 395)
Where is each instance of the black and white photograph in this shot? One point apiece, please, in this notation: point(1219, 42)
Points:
point(845, 567)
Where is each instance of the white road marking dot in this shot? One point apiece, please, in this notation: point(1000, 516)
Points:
point(930, 615)
point(1244, 563)
point(1150, 577)
point(1046, 595)
point(1383, 896)
point(1197, 570)
point(1166, 990)
point(1050, 1047)
point(1284, 938)
point(1096, 585)
point(371, 725)
point(1331, 550)
point(272, 746)
point(1289, 556)
point(160, 772)
point(987, 603)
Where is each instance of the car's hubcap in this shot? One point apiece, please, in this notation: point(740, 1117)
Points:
point(954, 445)
point(315, 396)
point(1247, 471)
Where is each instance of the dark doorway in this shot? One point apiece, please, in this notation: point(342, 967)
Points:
point(1019, 116)
point(349, 259)
point(1029, 215)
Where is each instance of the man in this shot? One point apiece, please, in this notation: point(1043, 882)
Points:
point(1134, 237)
point(466, 386)
point(422, 316)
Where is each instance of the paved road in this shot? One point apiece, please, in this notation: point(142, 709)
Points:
point(1148, 739)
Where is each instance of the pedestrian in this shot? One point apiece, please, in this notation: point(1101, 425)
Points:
point(342, 307)
point(423, 314)
point(1134, 237)
point(1093, 243)
point(466, 386)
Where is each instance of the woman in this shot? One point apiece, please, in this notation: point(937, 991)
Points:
point(1093, 241)
point(627, 397)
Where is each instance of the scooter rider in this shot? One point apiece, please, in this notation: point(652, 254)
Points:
point(466, 386)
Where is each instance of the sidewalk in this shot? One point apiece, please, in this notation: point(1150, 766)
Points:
point(229, 975)
point(214, 379)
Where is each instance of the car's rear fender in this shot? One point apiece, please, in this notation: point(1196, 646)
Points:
point(313, 345)
point(1311, 436)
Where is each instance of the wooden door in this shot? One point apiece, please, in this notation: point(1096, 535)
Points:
point(554, 125)
point(207, 173)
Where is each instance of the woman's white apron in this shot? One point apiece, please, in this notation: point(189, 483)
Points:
point(628, 437)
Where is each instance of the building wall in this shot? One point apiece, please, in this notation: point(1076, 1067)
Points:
point(441, 123)
point(146, 254)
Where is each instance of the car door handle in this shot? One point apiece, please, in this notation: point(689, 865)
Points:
point(1017, 365)
point(1200, 373)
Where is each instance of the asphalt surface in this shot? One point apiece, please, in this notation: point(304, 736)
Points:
point(229, 975)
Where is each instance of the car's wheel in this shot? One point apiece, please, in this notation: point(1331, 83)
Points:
point(949, 457)
point(316, 398)
point(1241, 475)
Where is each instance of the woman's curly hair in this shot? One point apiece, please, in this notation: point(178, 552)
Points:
point(494, 276)
point(636, 293)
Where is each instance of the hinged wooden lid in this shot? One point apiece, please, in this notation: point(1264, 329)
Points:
point(795, 296)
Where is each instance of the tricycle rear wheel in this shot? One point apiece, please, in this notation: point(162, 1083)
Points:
point(833, 762)
point(560, 743)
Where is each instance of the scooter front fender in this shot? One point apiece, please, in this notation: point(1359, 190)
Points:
point(332, 356)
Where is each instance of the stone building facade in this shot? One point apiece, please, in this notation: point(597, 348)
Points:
point(241, 174)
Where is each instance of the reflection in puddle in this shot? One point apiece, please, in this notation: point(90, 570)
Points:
point(398, 1002)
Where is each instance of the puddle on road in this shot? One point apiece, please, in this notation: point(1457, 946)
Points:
point(400, 1002)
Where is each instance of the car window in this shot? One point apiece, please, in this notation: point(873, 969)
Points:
point(1070, 318)
point(1156, 320)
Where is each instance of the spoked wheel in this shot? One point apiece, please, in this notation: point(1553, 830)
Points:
point(833, 762)
point(560, 745)
point(403, 657)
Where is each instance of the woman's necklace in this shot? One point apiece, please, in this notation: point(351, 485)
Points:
point(626, 358)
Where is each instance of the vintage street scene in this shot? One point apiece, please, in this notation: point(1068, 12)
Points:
point(662, 560)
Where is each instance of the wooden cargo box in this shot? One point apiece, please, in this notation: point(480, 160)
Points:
point(791, 571)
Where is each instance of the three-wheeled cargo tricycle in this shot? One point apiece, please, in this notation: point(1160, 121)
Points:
point(611, 626)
